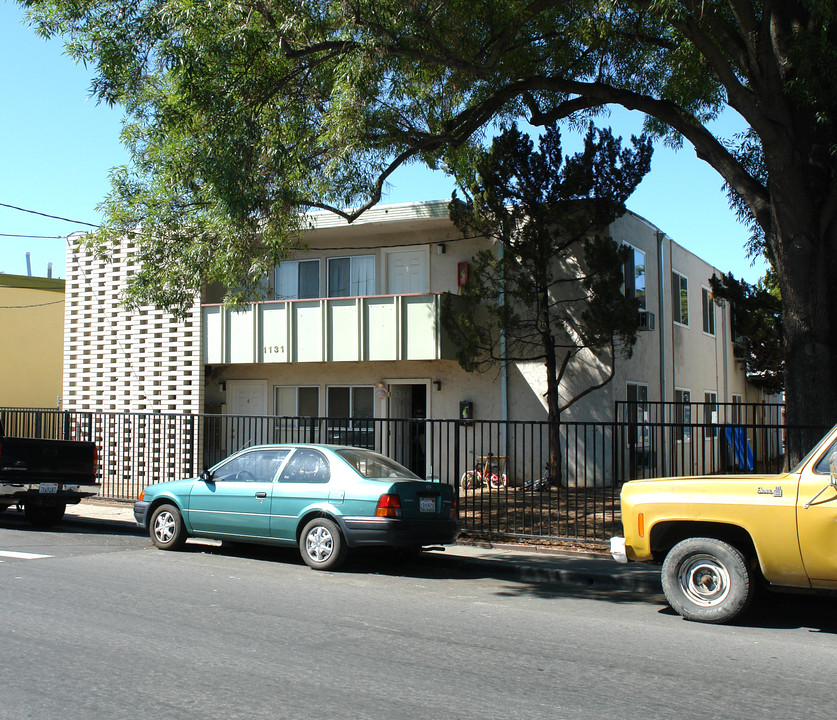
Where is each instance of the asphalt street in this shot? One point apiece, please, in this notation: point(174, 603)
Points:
point(99, 624)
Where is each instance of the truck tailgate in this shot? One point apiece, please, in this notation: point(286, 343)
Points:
point(33, 460)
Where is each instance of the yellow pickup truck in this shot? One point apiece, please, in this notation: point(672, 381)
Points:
point(718, 537)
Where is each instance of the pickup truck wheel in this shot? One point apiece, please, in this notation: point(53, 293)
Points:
point(166, 528)
point(707, 580)
point(43, 515)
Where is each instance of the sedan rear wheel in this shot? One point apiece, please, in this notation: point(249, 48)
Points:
point(166, 528)
point(321, 544)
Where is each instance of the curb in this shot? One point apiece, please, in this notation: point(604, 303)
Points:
point(640, 580)
point(589, 570)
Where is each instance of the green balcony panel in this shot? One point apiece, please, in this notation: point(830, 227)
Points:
point(359, 329)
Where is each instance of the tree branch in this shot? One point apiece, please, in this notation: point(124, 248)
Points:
point(593, 388)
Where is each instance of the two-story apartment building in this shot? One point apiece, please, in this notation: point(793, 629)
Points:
point(353, 331)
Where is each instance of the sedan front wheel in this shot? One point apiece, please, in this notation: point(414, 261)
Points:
point(321, 544)
point(166, 528)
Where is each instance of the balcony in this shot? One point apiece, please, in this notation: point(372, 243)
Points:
point(354, 329)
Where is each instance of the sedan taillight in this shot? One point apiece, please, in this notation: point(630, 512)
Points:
point(389, 506)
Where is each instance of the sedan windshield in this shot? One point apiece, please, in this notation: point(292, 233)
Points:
point(372, 465)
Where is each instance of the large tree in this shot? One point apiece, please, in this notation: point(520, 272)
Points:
point(756, 327)
point(551, 287)
point(242, 113)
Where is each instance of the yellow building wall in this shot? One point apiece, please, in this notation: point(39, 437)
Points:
point(31, 341)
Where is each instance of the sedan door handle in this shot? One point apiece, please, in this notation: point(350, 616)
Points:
point(261, 494)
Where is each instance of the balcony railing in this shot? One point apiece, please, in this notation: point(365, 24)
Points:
point(354, 329)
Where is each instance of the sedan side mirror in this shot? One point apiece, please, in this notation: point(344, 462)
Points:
point(206, 476)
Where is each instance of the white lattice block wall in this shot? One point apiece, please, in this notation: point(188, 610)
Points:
point(117, 361)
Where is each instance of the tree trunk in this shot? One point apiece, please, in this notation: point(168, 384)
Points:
point(553, 407)
point(807, 269)
point(810, 355)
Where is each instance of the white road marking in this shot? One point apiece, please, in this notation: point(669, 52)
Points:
point(22, 555)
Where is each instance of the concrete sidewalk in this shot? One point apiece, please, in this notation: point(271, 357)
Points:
point(534, 564)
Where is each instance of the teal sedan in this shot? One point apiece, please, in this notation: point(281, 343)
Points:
point(323, 499)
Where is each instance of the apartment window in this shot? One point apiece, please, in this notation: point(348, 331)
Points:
point(679, 298)
point(683, 413)
point(710, 413)
point(708, 303)
point(351, 276)
point(638, 399)
point(350, 402)
point(635, 276)
point(289, 401)
point(351, 409)
point(294, 402)
point(297, 279)
point(639, 431)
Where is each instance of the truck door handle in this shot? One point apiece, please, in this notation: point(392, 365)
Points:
point(261, 494)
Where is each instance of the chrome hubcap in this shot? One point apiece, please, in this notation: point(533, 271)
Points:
point(164, 527)
point(704, 580)
point(319, 544)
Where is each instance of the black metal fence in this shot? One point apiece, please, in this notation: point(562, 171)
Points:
point(135, 449)
point(667, 438)
point(499, 468)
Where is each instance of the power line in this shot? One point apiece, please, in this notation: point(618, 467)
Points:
point(33, 237)
point(47, 215)
point(26, 307)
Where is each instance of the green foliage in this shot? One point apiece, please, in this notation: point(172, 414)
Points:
point(552, 286)
point(241, 115)
point(756, 327)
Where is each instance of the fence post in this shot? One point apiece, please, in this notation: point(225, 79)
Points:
point(456, 473)
point(192, 444)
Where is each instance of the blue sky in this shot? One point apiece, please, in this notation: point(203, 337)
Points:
point(57, 146)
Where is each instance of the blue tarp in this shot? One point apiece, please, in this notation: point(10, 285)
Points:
point(739, 445)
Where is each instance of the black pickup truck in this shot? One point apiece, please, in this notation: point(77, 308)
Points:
point(44, 476)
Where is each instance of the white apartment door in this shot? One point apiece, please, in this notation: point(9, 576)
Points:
point(408, 430)
point(407, 272)
point(247, 399)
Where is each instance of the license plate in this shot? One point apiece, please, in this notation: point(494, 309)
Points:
point(427, 504)
point(49, 488)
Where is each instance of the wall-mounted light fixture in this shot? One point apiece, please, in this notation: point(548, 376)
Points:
point(437, 384)
point(222, 386)
point(441, 249)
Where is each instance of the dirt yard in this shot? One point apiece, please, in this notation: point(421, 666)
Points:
point(575, 514)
